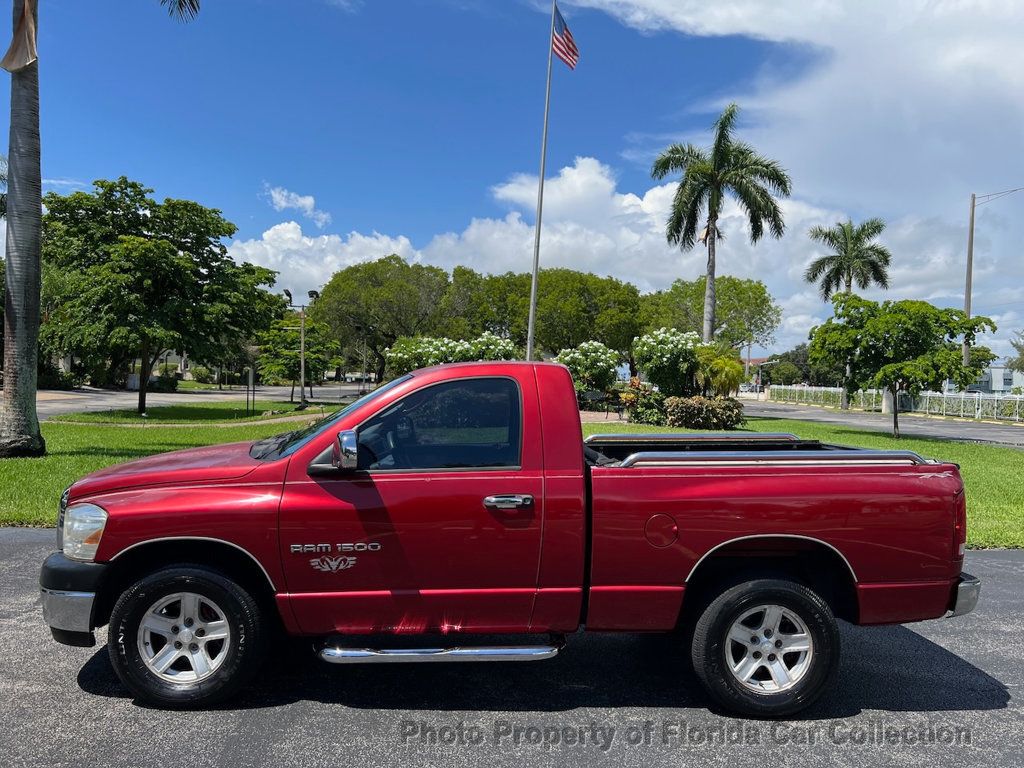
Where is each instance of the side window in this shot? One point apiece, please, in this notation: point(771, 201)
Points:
point(458, 424)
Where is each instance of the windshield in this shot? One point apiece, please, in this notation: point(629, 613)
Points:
point(287, 443)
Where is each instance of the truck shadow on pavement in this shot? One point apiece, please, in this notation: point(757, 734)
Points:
point(883, 668)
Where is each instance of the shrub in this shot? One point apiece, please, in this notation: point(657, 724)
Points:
point(643, 404)
point(719, 371)
point(165, 382)
point(489, 346)
point(703, 412)
point(668, 360)
point(409, 353)
point(202, 374)
point(591, 364)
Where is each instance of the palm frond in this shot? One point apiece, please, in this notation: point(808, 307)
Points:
point(724, 126)
point(677, 159)
point(185, 10)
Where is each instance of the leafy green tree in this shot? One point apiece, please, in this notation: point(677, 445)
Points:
point(901, 346)
point(280, 356)
point(812, 373)
point(378, 302)
point(207, 304)
point(574, 307)
point(784, 372)
point(855, 257)
point(728, 167)
point(19, 422)
point(745, 312)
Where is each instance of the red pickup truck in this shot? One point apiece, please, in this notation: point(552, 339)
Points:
point(462, 501)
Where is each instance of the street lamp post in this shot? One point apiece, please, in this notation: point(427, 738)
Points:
point(976, 200)
point(313, 296)
point(763, 364)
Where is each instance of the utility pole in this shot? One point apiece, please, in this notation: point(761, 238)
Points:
point(970, 272)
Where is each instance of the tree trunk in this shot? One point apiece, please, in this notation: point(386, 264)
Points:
point(844, 397)
point(291, 398)
point(145, 369)
point(19, 423)
point(709, 287)
point(895, 412)
point(632, 365)
point(381, 364)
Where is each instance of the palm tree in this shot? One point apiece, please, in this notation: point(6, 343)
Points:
point(854, 258)
point(729, 167)
point(19, 423)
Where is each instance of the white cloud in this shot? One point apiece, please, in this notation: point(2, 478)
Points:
point(304, 262)
point(283, 199)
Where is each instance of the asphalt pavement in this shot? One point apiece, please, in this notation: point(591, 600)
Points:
point(1007, 433)
point(944, 692)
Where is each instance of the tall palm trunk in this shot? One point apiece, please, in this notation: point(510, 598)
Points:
point(19, 424)
point(709, 285)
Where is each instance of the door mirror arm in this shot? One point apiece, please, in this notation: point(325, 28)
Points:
point(342, 455)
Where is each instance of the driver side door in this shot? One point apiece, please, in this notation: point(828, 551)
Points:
point(440, 527)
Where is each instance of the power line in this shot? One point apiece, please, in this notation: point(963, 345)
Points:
point(982, 199)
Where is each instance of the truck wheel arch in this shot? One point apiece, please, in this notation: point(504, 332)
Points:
point(805, 559)
point(144, 557)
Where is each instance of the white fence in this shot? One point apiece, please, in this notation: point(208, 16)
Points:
point(969, 405)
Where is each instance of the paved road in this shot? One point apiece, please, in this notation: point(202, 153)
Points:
point(910, 425)
point(63, 706)
point(52, 403)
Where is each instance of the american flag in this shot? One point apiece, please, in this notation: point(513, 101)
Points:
point(562, 43)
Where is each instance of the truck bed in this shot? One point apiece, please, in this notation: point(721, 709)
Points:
point(688, 449)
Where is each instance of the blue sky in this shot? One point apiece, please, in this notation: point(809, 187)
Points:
point(331, 132)
point(396, 115)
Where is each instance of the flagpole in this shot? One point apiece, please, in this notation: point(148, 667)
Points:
point(540, 195)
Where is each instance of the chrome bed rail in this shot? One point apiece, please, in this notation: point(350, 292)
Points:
point(691, 437)
point(851, 457)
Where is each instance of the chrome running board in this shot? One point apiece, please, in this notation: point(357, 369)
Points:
point(339, 655)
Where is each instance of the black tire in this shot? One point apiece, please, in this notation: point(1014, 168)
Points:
point(243, 654)
point(710, 647)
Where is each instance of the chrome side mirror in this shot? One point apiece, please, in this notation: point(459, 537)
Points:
point(348, 450)
point(342, 455)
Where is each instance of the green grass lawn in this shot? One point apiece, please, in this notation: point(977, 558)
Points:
point(187, 413)
point(993, 476)
point(30, 488)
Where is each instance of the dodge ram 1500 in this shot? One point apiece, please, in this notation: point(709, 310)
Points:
point(461, 500)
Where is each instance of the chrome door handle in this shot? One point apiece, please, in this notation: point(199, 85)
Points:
point(508, 501)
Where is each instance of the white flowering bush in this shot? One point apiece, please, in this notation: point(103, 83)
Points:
point(488, 346)
point(668, 359)
point(591, 364)
point(409, 353)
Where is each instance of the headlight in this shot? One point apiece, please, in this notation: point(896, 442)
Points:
point(83, 527)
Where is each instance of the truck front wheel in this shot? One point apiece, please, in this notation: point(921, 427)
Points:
point(766, 648)
point(185, 637)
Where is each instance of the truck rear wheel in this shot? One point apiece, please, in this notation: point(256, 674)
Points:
point(185, 637)
point(766, 648)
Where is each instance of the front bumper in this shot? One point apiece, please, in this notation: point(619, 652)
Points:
point(965, 597)
point(68, 589)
